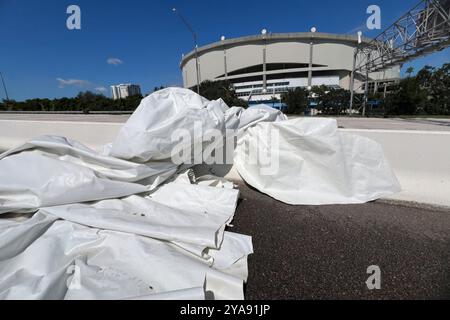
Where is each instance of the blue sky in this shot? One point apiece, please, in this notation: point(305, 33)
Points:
point(36, 48)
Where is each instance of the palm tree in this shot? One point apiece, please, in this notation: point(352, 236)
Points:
point(409, 71)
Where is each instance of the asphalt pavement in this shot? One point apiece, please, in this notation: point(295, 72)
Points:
point(323, 252)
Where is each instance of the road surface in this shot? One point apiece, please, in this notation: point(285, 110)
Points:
point(323, 252)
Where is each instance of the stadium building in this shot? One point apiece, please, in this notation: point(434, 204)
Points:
point(264, 66)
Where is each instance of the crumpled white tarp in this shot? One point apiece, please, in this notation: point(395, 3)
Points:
point(105, 227)
point(50, 171)
point(128, 223)
point(186, 213)
point(238, 118)
point(309, 162)
point(147, 135)
point(71, 261)
point(157, 247)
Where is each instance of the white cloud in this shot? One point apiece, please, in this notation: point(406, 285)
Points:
point(114, 61)
point(101, 89)
point(72, 82)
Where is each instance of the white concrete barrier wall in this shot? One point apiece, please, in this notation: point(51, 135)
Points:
point(92, 134)
point(420, 159)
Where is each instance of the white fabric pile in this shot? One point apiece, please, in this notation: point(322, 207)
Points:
point(129, 223)
point(312, 163)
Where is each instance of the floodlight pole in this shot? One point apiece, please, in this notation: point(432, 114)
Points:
point(264, 36)
point(225, 67)
point(352, 81)
point(4, 88)
point(194, 35)
point(311, 53)
point(366, 91)
point(352, 78)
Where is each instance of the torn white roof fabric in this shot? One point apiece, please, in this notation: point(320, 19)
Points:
point(310, 162)
point(129, 223)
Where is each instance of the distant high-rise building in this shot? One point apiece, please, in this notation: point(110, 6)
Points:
point(123, 91)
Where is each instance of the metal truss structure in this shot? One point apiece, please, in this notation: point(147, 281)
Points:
point(422, 30)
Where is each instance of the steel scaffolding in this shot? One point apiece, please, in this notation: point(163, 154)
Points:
point(422, 30)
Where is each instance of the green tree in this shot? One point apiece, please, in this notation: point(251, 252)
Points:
point(319, 92)
point(296, 100)
point(426, 93)
point(158, 88)
point(87, 101)
point(213, 90)
point(438, 90)
point(410, 71)
point(425, 76)
point(334, 101)
point(407, 99)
